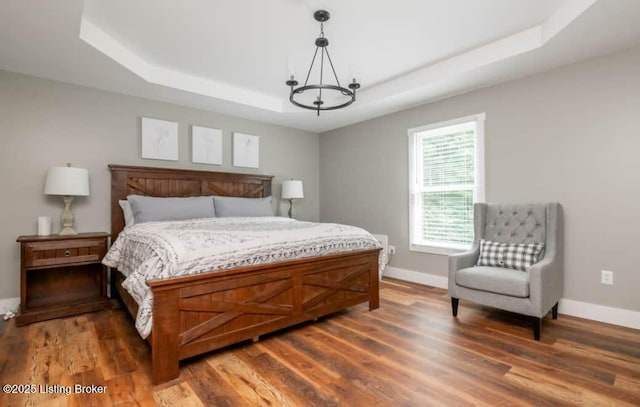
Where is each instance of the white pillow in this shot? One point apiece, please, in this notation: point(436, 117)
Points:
point(127, 211)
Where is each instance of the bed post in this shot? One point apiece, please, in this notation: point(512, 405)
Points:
point(118, 191)
point(374, 283)
point(165, 361)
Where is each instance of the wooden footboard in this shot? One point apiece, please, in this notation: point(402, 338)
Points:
point(196, 314)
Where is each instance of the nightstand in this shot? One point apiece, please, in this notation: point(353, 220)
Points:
point(62, 276)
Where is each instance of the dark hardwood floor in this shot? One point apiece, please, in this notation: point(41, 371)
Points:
point(410, 352)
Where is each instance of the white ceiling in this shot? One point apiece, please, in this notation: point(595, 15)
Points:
point(233, 56)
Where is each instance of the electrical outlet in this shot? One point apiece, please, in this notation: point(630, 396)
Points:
point(606, 277)
point(392, 249)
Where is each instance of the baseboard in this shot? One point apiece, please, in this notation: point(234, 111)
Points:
point(9, 304)
point(416, 277)
point(601, 313)
point(595, 312)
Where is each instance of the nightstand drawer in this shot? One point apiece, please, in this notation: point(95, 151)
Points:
point(42, 254)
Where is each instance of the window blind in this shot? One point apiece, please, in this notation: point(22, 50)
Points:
point(448, 165)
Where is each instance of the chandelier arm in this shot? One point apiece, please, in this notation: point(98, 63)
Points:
point(322, 64)
point(321, 73)
point(311, 66)
point(333, 69)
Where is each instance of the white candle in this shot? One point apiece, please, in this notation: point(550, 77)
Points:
point(44, 226)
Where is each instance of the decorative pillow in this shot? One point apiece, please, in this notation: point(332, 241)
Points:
point(491, 253)
point(233, 206)
point(127, 211)
point(149, 209)
point(519, 256)
point(522, 256)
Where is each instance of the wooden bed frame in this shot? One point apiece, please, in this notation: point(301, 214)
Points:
point(199, 313)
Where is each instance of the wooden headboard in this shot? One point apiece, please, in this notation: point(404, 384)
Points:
point(166, 182)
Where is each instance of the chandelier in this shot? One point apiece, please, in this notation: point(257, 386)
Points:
point(325, 96)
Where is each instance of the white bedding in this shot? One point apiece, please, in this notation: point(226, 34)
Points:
point(157, 250)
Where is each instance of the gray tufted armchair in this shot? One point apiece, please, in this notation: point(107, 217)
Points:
point(532, 292)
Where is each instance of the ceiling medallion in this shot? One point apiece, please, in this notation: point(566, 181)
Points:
point(346, 96)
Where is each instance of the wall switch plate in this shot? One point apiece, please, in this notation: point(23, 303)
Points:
point(392, 249)
point(606, 277)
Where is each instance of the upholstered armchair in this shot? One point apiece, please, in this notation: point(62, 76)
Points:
point(530, 290)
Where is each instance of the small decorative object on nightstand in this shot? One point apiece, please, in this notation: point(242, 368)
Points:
point(62, 276)
point(291, 190)
point(68, 182)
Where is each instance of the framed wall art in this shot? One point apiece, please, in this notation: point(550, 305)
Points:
point(246, 150)
point(159, 139)
point(206, 145)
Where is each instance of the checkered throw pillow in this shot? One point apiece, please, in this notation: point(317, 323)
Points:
point(491, 253)
point(522, 256)
point(514, 256)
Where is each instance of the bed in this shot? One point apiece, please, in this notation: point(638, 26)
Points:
point(199, 313)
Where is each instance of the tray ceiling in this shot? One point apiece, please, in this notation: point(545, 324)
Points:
point(233, 56)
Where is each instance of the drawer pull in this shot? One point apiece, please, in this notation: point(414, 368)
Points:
point(67, 253)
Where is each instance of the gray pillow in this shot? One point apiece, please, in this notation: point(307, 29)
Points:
point(149, 209)
point(232, 206)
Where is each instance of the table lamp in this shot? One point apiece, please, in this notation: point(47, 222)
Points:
point(68, 182)
point(291, 190)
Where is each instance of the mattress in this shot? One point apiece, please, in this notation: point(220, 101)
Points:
point(160, 250)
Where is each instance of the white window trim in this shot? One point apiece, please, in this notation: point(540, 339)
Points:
point(434, 248)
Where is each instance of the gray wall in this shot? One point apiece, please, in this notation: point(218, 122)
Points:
point(570, 135)
point(45, 123)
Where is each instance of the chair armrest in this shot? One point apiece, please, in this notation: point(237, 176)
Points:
point(459, 261)
point(463, 260)
point(545, 284)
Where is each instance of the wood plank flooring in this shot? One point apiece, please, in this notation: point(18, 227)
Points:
point(410, 352)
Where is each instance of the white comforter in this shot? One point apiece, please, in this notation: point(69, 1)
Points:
point(157, 250)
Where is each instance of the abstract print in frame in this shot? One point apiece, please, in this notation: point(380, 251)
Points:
point(206, 145)
point(159, 139)
point(246, 150)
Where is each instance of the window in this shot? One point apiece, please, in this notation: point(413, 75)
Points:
point(446, 177)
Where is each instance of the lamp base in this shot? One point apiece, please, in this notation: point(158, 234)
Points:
point(67, 218)
point(67, 231)
point(292, 212)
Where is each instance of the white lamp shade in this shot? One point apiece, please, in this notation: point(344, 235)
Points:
point(68, 181)
point(292, 189)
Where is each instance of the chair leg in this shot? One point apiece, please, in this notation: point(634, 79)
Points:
point(554, 311)
point(454, 306)
point(537, 327)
